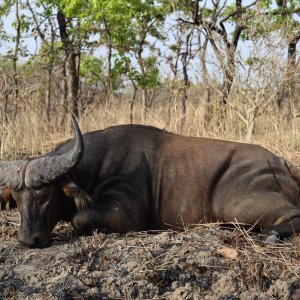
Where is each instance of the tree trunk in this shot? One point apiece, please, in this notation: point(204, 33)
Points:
point(145, 104)
point(71, 66)
point(292, 70)
point(143, 89)
point(184, 93)
point(184, 60)
point(50, 71)
point(109, 90)
point(64, 95)
point(72, 81)
point(48, 95)
point(133, 99)
point(15, 59)
point(286, 98)
point(207, 101)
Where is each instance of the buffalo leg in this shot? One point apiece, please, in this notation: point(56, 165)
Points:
point(108, 215)
point(283, 230)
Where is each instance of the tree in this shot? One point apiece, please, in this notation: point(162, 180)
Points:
point(125, 29)
point(21, 25)
point(179, 61)
point(215, 22)
point(48, 50)
point(285, 19)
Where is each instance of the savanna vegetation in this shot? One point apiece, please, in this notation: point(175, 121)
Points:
point(226, 69)
point(218, 68)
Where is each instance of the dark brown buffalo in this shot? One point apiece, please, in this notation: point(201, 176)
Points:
point(133, 177)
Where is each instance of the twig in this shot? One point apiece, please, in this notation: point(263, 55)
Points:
point(13, 223)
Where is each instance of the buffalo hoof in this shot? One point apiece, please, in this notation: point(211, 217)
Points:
point(270, 237)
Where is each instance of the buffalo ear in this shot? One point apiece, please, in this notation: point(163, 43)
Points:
point(81, 198)
point(5, 198)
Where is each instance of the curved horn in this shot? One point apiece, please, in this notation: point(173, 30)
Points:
point(48, 168)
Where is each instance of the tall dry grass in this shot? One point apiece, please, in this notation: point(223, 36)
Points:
point(30, 135)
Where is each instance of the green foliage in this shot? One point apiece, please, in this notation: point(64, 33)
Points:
point(125, 26)
point(26, 69)
point(50, 55)
point(149, 79)
point(91, 68)
point(228, 10)
point(128, 31)
point(5, 7)
point(265, 4)
point(252, 60)
point(121, 68)
point(283, 16)
point(24, 21)
point(206, 12)
point(6, 63)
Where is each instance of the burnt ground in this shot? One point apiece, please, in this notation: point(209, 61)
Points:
point(203, 263)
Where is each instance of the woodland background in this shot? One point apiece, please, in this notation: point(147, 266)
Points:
point(227, 69)
point(223, 69)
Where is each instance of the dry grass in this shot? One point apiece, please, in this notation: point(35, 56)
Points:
point(30, 135)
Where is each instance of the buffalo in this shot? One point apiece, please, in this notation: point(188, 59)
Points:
point(134, 177)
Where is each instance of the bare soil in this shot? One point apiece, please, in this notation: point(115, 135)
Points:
point(207, 262)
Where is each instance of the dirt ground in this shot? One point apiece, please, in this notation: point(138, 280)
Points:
point(203, 263)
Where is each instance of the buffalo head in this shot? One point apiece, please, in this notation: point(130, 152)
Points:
point(36, 185)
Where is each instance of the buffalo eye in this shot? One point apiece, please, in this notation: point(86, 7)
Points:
point(41, 195)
